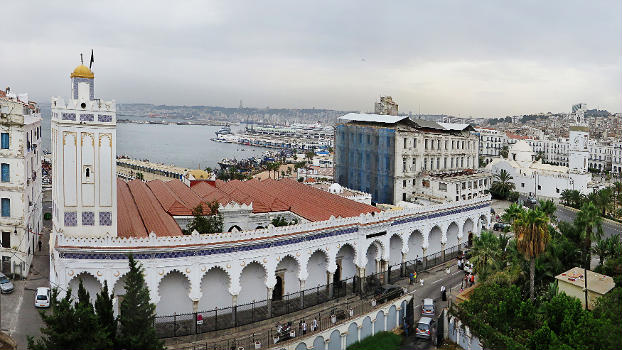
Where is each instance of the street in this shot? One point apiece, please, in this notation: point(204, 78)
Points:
point(568, 214)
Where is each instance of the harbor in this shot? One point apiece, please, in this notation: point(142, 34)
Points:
point(294, 137)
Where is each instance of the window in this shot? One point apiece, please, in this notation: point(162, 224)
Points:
point(5, 140)
point(425, 143)
point(539, 187)
point(404, 196)
point(557, 190)
point(6, 207)
point(442, 186)
point(405, 142)
point(6, 173)
point(415, 142)
point(6, 239)
point(404, 183)
point(522, 185)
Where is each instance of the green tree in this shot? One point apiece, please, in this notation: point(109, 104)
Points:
point(549, 208)
point(512, 212)
point(532, 237)
point(59, 329)
point(502, 185)
point(211, 223)
point(572, 198)
point(105, 313)
point(309, 155)
point(281, 221)
point(137, 313)
point(485, 254)
point(87, 322)
point(504, 152)
point(590, 222)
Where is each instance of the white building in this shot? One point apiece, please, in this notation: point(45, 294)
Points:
point(20, 186)
point(616, 158)
point(533, 178)
point(334, 240)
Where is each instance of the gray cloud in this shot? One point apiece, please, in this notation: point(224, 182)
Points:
point(458, 57)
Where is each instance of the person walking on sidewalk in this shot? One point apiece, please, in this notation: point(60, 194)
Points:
point(40, 244)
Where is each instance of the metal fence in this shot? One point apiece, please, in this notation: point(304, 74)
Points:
point(228, 317)
point(323, 319)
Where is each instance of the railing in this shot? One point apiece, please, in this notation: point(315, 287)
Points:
point(234, 316)
point(324, 319)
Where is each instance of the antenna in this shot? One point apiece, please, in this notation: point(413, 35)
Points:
point(81, 59)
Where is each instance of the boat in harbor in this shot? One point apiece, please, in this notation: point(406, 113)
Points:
point(225, 130)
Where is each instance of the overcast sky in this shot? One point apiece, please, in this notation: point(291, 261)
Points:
point(479, 58)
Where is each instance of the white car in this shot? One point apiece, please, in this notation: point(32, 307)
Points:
point(42, 297)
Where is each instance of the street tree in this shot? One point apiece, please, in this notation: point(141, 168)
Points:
point(590, 222)
point(532, 237)
point(137, 313)
point(502, 185)
point(105, 313)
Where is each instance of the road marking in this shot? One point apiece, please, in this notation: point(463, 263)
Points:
point(13, 326)
point(435, 282)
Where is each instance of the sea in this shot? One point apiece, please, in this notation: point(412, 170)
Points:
point(187, 146)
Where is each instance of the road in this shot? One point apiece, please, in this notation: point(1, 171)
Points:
point(609, 228)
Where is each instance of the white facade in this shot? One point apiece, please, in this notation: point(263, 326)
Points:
point(533, 178)
point(20, 185)
point(198, 272)
point(84, 191)
point(616, 158)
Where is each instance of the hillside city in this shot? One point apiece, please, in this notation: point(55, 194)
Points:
point(301, 228)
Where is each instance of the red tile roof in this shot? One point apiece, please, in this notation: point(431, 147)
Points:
point(150, 207)
point(516, 136)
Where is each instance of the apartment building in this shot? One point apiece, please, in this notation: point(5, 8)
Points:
point(20, 182)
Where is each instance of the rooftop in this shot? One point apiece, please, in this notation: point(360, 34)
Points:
point(150, 206)
point(596, 282)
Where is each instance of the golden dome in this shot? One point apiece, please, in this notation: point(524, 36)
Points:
point(82, 71)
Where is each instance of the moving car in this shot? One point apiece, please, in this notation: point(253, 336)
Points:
point(425, 328)
point(5, 284)
point(427, 307)
point(43, 297)
point(388, 292)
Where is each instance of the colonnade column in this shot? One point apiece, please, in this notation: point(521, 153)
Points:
point(302, 294)
point(234, 309)
point(384, 266)
point(443, 251)
point(361, 273)
point(330, 276)
point(269, 301)
point(425, 258)
point(403, 267)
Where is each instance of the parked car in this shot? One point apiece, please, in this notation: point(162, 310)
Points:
point(532, 201)
point(388, 292)
point(43, 297)
point(427, 307)
point(6, 286)
point(425, 328)
point(500, 226)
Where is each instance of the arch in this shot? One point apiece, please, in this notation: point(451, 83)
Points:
point(335, 340)
point(395, 249)
point(215, 285)
point(234, 228)
point(90, 283)
point(392, 318)
point(379, 323)
point(301, 346)
point(259, 227)
point(316, 269)
point(451, 238)
point(403, 311)
point(467, 227)
point(345, 258)
point(366, 328)
point(319, 343)
point(415, 245)
point(434, 240)
point(372, 254)
point(483, 222)
point(252, 283)
point(353, 334)
point(174, 289)
point(288, 270)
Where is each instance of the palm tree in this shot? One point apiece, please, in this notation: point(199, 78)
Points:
point(532, 237)
point(504, 152)
point(549, 208)
point(512, 212)
point(590, 222)
point(617, 187)
point(602, 249)
point(566, 197)
point(502, 184)
point(485, 254)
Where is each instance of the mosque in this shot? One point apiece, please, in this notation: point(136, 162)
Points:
point(99, 219)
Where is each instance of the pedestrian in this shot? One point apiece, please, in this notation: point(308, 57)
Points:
point(472, 279)
point(443, 293)
point(40, 244)
point(300, 327)
point(313, 325)
point(304, 327)
point(411, 278)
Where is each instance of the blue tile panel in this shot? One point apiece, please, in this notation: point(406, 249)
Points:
point(88, 218)
point(248, 247)
point(87, 117)
point(69, 116)
point(105, 218)
point(75, 82)
point(104, 118)
point(71, 218)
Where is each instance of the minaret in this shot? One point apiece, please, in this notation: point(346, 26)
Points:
point(578, 152)
point(84, 188)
